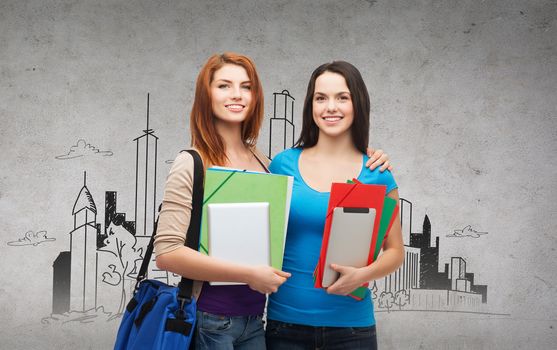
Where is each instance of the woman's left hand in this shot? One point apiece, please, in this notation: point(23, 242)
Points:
point(350, 279)
point(377, 158)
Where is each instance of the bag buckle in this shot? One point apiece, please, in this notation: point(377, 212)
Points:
point(181, 313)
point(137, 282)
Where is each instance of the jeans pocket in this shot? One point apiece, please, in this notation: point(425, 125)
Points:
point(363, 331)
point(256, 322)
point(210, 322)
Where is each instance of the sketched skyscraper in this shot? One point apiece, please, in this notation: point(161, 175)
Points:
point(146, 193)
point(405, 209)
point(145, 180)
point(83, 250)
point(283, 114)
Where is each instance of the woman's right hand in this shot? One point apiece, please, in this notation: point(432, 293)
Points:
point(266, 279)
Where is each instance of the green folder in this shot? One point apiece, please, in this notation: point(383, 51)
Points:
point(234, 186)
point(389, 205)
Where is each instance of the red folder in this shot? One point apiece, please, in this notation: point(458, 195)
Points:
point(354, 195)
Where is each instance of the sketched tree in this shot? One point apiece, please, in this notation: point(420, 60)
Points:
point(402, 298)
point(126, 259)
point(386, 300)
point(374, 290)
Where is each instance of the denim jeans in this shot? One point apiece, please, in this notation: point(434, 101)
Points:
point(216, 332)
point(287, 336)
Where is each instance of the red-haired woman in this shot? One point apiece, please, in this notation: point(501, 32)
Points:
point(225, 121)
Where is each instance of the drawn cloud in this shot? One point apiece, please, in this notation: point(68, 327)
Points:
point(467, 232)
point(32, 238)
point(81, 149)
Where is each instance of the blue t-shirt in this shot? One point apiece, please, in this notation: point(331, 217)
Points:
point(297, 300)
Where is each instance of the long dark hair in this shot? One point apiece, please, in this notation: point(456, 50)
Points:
point(360, 103)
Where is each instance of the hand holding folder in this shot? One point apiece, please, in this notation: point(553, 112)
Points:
point(358, 195)
point(354, 195)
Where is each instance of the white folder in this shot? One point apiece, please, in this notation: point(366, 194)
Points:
point(349, 240)
point(239, 233)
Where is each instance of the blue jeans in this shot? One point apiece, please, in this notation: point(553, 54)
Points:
point(288, 336)
point(216, 332)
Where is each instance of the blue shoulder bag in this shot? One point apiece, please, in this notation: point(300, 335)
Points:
point(160, 316)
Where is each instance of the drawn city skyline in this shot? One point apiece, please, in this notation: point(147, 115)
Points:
point(418, 285)
point(118, 246)
point(105, 253)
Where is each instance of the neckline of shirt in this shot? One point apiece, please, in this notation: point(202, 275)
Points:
point(299, 174)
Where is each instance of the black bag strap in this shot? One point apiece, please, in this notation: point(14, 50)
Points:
point(194, 230)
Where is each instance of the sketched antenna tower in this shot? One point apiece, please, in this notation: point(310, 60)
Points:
point(145, 180)
point(146, 192)
point(287, 122)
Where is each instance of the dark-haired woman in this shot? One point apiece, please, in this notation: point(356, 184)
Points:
point(331, 149)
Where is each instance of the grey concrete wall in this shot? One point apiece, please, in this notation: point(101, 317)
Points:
point(463, 100)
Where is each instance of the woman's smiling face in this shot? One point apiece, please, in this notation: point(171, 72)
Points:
point(333, 111)
point(231, 94)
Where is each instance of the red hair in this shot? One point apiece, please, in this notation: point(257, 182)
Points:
point(204, 135)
